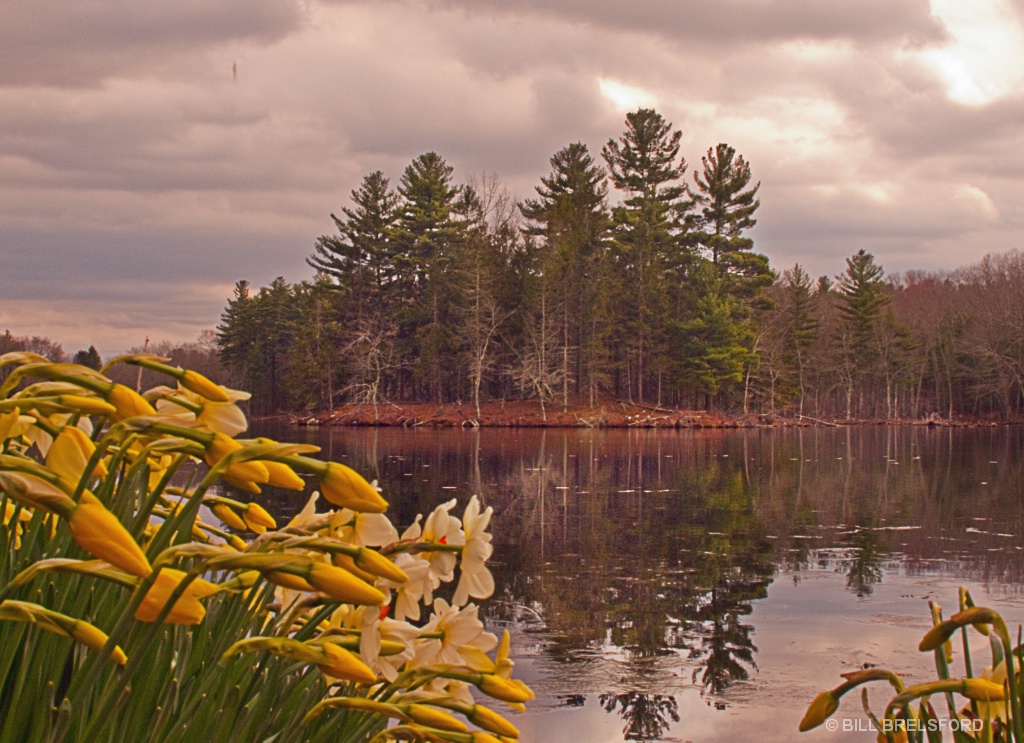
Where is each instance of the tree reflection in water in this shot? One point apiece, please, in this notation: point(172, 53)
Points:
point(647, 716)
point(864, 567)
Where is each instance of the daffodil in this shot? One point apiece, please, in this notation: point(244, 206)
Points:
point(440, 528)
point(345, 665)
point(128, 403)
point(69, 454)
point(475, 580)
point(228, 515)
point(248, 472)
point(61, 624)
point(363, 529)
point(186, 610)
point(257, 518)
point(410, 592)
point(186, 406)
point(452, 635)
point(100, 534)
point(13, 424)
point(195, 382)
point(345, 487)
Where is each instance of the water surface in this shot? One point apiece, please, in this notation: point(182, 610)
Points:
point(705, 585)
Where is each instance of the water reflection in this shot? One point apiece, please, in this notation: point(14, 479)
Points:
point(647, 716)
point(631, 564)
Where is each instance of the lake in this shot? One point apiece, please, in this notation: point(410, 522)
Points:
point(701, 585)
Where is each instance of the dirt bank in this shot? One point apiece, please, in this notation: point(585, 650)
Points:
point(609, 414)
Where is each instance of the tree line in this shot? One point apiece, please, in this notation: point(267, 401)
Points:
point(632, 278)
point(441, 291)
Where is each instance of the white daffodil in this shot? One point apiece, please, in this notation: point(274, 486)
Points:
point(439, 528)
point(461, 636)
point(375, 629)
point(307, 515)
point(407, 605)
point(222, 417)
point(475, 579)
point(363, 529)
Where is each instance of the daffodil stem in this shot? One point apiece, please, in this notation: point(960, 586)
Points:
point(114, 690)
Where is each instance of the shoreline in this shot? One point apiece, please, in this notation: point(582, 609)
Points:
point(610, 414)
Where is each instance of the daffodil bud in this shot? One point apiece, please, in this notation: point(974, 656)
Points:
point(821, 708)
point(983, 690)
point(342, 586)
point(228, 515)
point(507, 690)
point(344, 487)
point(283, 476)
point(128, 403)
point(60, 624)
point(425, 714)
point(197, 383)
point(256, 516)
point(100, 534)
point(345, 665)
point(186, 610)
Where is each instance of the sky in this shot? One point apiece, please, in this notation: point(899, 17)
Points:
point(153, 154)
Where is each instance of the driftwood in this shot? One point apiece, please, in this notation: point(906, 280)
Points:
point(645, 422)
point(815, 420)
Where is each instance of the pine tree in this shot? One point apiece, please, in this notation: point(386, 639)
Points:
point(649, 226)
point(799, 326)
point(860, 298)
point(361, 257)
point(726, 211)
point(572, 220)
point(89, 357)
point(428, 237)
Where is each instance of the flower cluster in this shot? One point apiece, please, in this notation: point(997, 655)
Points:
point(98, 502)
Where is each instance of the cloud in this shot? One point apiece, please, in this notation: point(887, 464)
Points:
point(54, 43)
point(140, 178)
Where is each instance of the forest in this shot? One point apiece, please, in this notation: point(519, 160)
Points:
point(619, 280)
point(626, 277)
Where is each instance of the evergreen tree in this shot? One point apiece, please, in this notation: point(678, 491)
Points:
point(726, 211)
point(799, 327)
point(860, 298)
point(571, 218)
point(90, 358)
point(428, 237)
point(649, 226)
point(361, 257)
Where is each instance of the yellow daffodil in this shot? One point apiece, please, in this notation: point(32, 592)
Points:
point(346, 487)
point(100, 534)
point(251, 471)
point(283, 476)
point(186, 610)
point(195, 382)
point(69, 454)
point(513, 691)
point(342, 586)
point(345, 665)
point(425, 714)
point(14, 424)
point(821, 708)
point(485, 718)
point(228, 515)
point(257, 518)
point(128, 403)
point(61, 624)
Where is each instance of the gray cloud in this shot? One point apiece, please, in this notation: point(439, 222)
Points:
point(49, 42)
point(139, 179)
